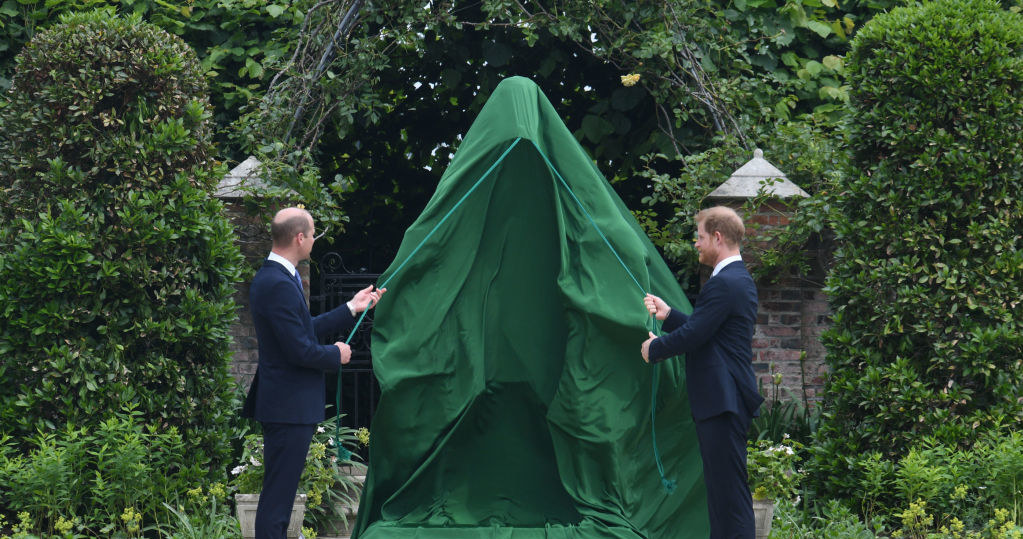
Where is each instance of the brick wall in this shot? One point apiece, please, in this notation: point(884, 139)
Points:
point(793, 313)
point(253, 238)
point(792, 316)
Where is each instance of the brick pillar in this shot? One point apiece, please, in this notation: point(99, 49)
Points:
point(793, 314)
point(253, 239)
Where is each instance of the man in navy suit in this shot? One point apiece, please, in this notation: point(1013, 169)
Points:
point(717, 341)
point(287, 394)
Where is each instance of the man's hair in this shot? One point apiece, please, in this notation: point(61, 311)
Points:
point(283, 230)
point(724, 220)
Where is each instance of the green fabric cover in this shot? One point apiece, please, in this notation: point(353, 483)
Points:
point(515, 402)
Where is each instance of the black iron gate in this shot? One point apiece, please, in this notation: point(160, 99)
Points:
point(359, 388)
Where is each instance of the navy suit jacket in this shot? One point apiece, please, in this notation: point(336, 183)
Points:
point(717, 339)
point(290, 385)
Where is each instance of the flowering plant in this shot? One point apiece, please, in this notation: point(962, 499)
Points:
point(772, 469)
point(323, 481)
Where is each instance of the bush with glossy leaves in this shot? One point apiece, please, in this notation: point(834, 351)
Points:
point(927, 337)
point(117, 267)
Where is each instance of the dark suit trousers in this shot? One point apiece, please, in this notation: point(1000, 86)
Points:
point(723, 448)
point(285, 447)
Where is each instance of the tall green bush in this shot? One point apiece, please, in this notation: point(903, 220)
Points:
point(117, 267)
point(927, 337)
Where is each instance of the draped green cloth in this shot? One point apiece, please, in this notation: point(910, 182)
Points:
point(514, 400)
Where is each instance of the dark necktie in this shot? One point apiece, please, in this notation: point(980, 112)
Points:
point(298, 283)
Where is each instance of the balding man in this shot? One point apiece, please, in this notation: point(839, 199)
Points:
point(287, 394)
point(717, 339)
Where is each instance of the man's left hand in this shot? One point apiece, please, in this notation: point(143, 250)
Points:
point(366, 298)
point(645, 349)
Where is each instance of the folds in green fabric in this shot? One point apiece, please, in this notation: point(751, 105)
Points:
point(514, 400)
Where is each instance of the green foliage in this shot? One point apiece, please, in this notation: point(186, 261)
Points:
point(813, 152)
point(108, 480)
point(235, 39)
point(828, 521)
point(932, 490)
point(331, 86)
point(808, 150)
point(117, 268)
point(781, 419)
point(927, 341)
point(774, 469)
point(324, 480)
point(205, 515)
point(709, 64)
point(935, 486)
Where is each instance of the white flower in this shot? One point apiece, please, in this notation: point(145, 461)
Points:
point(238, 469)
point(254, 461)
point(321, 429)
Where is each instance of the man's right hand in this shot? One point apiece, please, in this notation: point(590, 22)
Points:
point(346, 352)
point(656, 306)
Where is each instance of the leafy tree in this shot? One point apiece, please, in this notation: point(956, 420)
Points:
point(927, 341)
point(363, 101)
point(234, 39)
point(412, 99)
point(117, 268)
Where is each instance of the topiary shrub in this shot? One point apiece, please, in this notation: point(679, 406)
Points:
point(926, 287)
point(117, 268)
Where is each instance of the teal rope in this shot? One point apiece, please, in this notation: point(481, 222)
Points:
point(669, 484)
point(587, 214)
point(342, 452)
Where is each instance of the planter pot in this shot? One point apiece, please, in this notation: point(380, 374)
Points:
point(763, 514)
point(245, 508)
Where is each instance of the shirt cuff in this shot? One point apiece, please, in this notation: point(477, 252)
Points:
point(351, 308)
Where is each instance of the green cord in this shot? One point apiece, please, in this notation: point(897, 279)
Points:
point(342, 452)
point(669, 484)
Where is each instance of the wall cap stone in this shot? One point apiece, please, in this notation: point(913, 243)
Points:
point(747, 181)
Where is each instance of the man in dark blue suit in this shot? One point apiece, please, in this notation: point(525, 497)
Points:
point(287, 394)
point(717, 341)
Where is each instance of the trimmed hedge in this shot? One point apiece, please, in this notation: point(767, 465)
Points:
point(117, 267)
point(927, 339)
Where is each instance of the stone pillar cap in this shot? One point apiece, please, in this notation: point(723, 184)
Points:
point(749, 179)
point(241, 181)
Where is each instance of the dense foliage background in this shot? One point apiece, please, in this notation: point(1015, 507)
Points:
point(926, 346)
point(117, 267)
point(365, 101)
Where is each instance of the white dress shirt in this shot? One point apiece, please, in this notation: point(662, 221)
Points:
point(724, 263)
point(284, 262)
